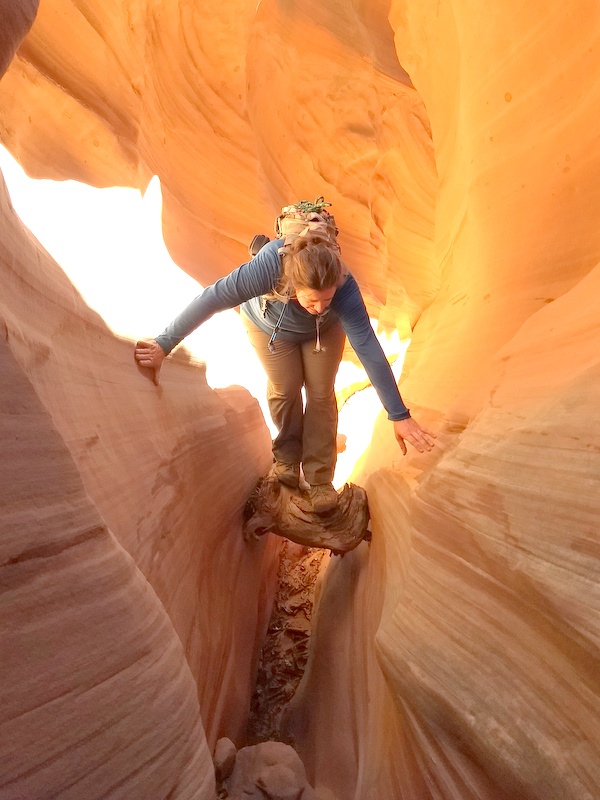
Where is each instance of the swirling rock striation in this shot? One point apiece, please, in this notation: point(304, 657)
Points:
point(97, 697)
point(145, 463)
point(458, 651)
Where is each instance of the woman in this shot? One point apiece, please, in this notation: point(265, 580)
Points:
point(298, 304)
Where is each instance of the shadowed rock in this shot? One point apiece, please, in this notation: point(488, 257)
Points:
point(16, 17)
point(224, 758)
point(268, 771)
point(273, 508)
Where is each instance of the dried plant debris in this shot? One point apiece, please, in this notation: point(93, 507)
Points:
point(285, 652)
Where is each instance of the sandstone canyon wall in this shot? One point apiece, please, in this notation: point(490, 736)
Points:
point(146, 459)
point(456, 657)
point(116, 509)
point(97, 698)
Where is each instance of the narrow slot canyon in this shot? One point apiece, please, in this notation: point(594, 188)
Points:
point(146, 646)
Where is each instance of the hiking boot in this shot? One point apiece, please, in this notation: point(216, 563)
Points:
point(323, 497)
point(288, 474)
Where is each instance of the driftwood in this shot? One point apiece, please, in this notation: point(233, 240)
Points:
point(273, 508)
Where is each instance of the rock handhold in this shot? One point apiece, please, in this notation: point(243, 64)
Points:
point(268, 771)
point(274, 508)
point(224, 759)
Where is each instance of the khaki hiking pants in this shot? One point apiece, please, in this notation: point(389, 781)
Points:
point(306, 435)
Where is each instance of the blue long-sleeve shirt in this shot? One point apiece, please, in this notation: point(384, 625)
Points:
point(248, 283)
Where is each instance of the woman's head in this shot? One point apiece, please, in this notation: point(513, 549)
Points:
point(312, 271)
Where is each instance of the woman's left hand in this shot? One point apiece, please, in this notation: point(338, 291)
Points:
point(150, 354)
point(408, 430)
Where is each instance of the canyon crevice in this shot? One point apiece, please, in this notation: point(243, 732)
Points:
point(455, 655)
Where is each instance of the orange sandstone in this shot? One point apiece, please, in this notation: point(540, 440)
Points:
point(457, 656)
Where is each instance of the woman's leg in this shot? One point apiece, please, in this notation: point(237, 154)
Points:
point(284, 392)
point(320, 416)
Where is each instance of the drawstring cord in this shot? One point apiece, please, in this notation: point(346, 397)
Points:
point(271, 344)
point(318, 348)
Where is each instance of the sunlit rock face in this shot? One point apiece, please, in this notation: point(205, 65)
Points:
point(487, 628)
point(241, 117)
point(457, 655)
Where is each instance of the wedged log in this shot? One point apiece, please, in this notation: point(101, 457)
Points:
point(273, 508)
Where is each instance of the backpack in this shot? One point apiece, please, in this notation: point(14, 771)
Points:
point(303, 217)
point(298, 219)
point(294, 221)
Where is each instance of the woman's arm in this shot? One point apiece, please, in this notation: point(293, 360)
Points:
point(350, 308)
point(251, 279)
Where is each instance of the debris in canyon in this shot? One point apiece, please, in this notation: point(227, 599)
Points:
point(274, 508)
point(285, 650)
point(266, 771)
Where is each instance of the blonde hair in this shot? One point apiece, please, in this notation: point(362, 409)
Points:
point(310, 262)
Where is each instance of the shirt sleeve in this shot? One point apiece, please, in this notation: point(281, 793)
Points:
point(252, 279)
point(350, 308)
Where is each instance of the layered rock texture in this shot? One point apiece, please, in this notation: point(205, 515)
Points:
point(142, 462)
point(455, 656)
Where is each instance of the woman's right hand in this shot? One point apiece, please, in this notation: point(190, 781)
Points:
point(409, 430)
point(150, 354)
